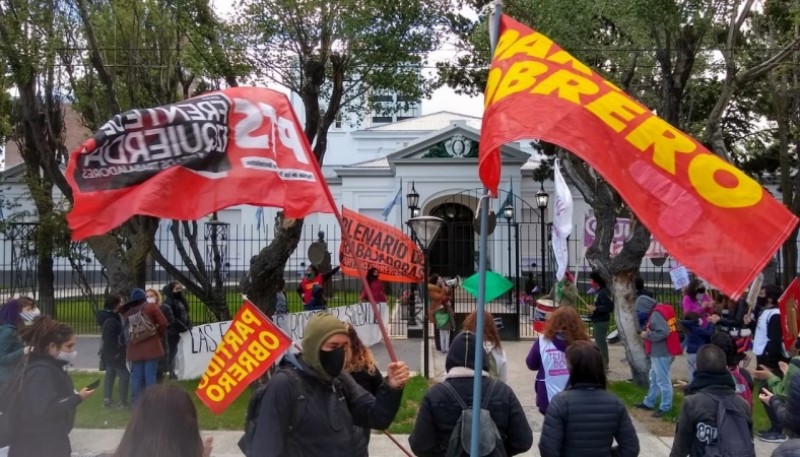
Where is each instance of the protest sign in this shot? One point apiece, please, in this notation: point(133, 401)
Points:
point(680, 277)
point(396, 256)
point(250, 345)
point(622, 233)
point(788, 304)
point(360, 316)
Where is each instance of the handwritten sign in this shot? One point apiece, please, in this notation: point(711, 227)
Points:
point(680, 277)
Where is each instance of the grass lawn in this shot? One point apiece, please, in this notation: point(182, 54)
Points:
point(632, 394)
point(92, 414)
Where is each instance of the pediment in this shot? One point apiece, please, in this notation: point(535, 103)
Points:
point(455, 142)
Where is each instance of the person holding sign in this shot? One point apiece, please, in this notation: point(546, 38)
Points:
point(310, 406)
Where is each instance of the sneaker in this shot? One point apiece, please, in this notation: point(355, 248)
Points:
point(660, 413)
point(772, 437)
point(107, 403)
point(643, 406)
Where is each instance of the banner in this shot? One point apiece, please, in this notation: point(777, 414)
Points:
point(248, 348)
point(622, 233)
point(396, 256)
point(790, 318)
point(197, 346)
point(562, 221)
point(183, 161)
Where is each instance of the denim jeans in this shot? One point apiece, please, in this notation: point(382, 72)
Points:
point(691, 362)
point(143, 375)
point(600, 332)
point(660, 383)
point(116, 369)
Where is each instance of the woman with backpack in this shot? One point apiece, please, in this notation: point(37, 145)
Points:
point(43, 411)
point(585, 419)
point(441, 408)
point(491, 343)
point(11, 347)
point(144, 331)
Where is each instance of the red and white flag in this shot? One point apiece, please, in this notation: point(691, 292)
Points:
point(242, 145)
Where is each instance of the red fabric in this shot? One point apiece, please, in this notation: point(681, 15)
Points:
point(376, 286)
point(742, 388)
point(307, 286)
point(673, 339)
point(790, 317)
point(183, 161)
point(691, 200)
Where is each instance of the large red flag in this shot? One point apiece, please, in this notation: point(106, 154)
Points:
point(183, 161)
point(708, 214)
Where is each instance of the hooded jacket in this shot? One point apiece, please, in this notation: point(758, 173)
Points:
point(113, 347)
point(151, 348)
point(317, 418)
point(438, 412)
point(180, 311)
point(11, 350)
point(644, 306)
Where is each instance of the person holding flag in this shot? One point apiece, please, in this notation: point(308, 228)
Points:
point(313, 278)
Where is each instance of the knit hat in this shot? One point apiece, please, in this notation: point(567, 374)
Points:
point(138, 294)
point(319, 328)
point(462, 352)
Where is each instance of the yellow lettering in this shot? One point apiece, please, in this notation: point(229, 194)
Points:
point(215, 393)
point(269, 340)
point(665, 139)
point(214, 367)
point(224, 350)
point(612, 107)
point(563, 57)
point(259, 352)
point(237, 372)
point(491, 86)
point(534, 45)
point(521, 76)
point(243, 329)
point(247, 361)
point(506, 40)
point(704, 173)
point(203, 382)
point(233, 338)
point(249, 317)
point(569, 86)
point(226, 382)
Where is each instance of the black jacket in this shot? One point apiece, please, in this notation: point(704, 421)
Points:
point(603, 306)
point(583, 421)
point(735, 318)
point(789, 411)
point(789, 448)
point(438, 415)
point(322, 423)
point(113, 347)
point(179, 309)
point(45, 411)
point(699, 408)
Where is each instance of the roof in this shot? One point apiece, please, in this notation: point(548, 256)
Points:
point(427, 123)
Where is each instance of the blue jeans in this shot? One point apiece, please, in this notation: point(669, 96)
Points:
point(143, 375)
point(660, 382)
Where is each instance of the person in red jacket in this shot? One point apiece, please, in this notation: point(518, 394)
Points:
point(313, 277)
point(144, 355)
point(375, 285)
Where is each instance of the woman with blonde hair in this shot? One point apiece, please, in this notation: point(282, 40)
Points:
point(564, 327)
point(491, 343)
point(360, 363)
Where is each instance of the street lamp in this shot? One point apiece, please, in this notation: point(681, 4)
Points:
point(425, 229)
point(508, 214)
point(541, 202)
point(412, 197)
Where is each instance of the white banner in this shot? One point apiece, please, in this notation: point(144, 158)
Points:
point(562, 221)
point(196, 347)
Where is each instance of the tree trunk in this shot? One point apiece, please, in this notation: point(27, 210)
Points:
point(628, 327)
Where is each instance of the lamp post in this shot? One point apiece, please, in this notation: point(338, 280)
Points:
point(425, 229)
point(541, 202)
point(412, 197)
point(508, 214)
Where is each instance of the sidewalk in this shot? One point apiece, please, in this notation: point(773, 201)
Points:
point(91, 443)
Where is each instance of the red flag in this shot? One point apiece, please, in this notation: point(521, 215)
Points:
point(790, 318)
point(183, 161)
point(707, 213)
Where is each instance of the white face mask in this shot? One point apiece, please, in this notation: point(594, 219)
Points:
point(67, 356)
point(29, 316)
point(151, 299)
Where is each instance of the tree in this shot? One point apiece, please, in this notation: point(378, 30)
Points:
point(337, 55)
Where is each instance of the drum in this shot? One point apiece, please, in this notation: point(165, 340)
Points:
point(541, 312)
point(613, 337)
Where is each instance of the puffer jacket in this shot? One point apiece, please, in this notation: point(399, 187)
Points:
point(180, 322)
point(583, 421)
point(789, 410)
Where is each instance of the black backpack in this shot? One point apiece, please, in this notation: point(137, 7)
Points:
point(733, 436)
point(254, 408)
point(490, 442)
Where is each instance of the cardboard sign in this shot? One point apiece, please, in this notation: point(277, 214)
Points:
point(680, 277)
point(788, 304)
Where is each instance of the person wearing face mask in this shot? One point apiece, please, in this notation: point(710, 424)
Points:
point(695, 300)
point(144, 355)
point(312, 411)
point(44, 412)
point(313, 278)
point(11, 347)
point(601, 314)
point(181, 322)
point(29, 310)
point(375, 285)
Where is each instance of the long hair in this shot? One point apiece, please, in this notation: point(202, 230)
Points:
point(566, 320)
point(164, 424)
point(490, 332)
point(359, 357)
point(585, 364)
point(45, 331)
point(691, 289)
point(9, 313)
point(157, 294)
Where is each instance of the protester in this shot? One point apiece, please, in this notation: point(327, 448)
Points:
point(601, 314)
point(144, 355)
point(375, 286)
point(644, 303)
point(281, 305)
point(154, 297)
point(44, 411)
point(731, 316)
point(778, 387)
point(565, 292)
point(662, 344)
point(696, 300)
point(437, 294)
point(164, 424)
point(768, 338)
point(742, 379)
point(698, 333)
point(322, 424)
point(11, 347)
point(313, 278)
point(439, 412)
point(113, 352)
point(547, 356)
point(317, 302)
point(697, 424)
point(360, 364)
point(29, 310)
point(787, 409)
point(444, 320)
point(585, 419)
point(491, 343)
point(181, 322)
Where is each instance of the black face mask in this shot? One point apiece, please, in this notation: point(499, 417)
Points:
point(332, 361)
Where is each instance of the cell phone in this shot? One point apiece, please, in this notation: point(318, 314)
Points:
point(93, 385)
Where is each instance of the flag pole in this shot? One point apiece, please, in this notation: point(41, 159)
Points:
point(477, 381)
